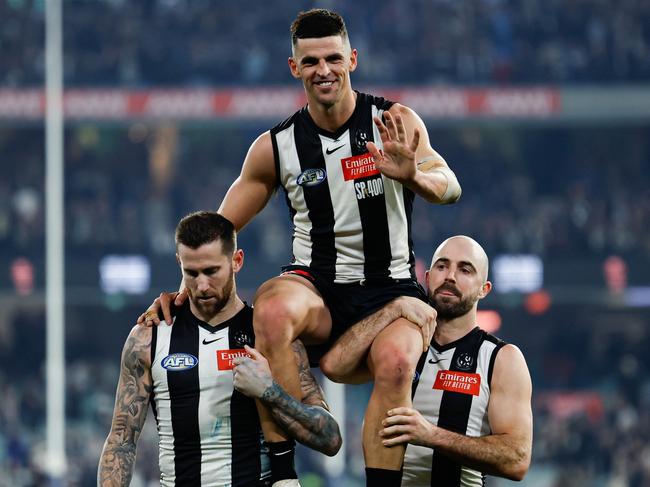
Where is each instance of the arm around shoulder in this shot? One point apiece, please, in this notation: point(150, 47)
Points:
point(250, 192)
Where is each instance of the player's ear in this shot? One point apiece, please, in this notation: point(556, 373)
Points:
point(178, 259)
point(485, 289)
point(353, 60)
point(237, 260)
point(293, 67)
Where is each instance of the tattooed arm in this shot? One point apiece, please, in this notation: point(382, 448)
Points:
point(131, 403)
point(309, 421)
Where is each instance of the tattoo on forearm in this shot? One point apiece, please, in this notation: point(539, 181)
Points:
point(131, 403)
point(311, 392)
point(308, 421)
point(311, 425)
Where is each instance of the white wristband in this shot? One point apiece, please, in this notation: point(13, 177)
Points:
point(452, 193)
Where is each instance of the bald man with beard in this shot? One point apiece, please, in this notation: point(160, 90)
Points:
point(471, 413)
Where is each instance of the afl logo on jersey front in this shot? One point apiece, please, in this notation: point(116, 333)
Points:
point(312, 177)
point(179, 361)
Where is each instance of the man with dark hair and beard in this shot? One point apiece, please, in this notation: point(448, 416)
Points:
point(471, 413)
point(197, 374)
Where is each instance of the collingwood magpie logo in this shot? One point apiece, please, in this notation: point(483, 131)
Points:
point(312, 177)
point(464, 361)
point(242, 338)
point(360, 139)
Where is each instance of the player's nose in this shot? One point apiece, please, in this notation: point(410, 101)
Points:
point(202, 283)
point(451, 275)
point(323, 68)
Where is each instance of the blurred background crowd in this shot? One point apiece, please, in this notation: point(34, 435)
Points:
point(172, 42)
point(575, 195)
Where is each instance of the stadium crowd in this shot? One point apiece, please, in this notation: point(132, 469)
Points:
point(586, 193)
point(183, 42)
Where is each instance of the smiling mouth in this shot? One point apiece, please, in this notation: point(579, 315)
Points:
point(325, 84)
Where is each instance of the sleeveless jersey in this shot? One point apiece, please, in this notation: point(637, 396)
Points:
point(209, 433)
point(451, 390)
point(349, 222)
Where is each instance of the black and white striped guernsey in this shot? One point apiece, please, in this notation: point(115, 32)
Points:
point(452, 390)
point(209, 434)
point(349, 222)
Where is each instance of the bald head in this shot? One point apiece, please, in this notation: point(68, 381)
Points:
point(461, 248)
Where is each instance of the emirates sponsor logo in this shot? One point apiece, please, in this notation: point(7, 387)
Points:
point(361, 166)
point(463, 382)
point(225, 357)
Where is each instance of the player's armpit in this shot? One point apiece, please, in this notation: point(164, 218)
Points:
point(131, 402)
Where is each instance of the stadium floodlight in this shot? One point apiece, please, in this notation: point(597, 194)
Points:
point(129, 274)
point(522, 273)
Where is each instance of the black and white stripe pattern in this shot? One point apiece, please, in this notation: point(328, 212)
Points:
point(209, 433)
point(348, 227)
point(462, 412)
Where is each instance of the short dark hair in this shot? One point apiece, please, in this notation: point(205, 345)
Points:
point(317, 22)
point(202, 227)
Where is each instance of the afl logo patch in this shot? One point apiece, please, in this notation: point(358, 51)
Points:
point(179, 361)
point(312, 177)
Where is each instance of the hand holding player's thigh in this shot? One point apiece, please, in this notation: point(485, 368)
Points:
point(420, 313)
point(252, 375)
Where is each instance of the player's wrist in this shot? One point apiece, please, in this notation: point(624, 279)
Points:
point(271, 393)
point(413, 180)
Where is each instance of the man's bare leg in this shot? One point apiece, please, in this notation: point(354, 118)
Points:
point(393, 356)
point(285, 308)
